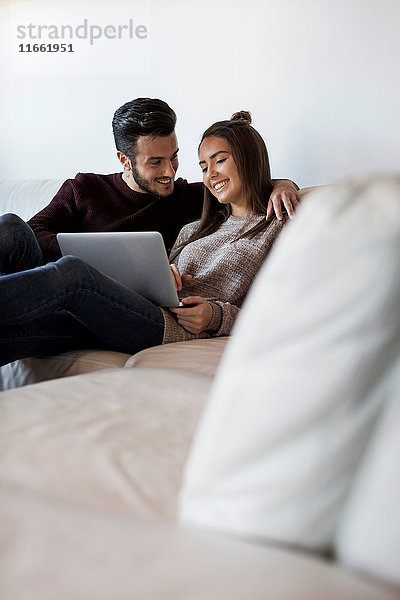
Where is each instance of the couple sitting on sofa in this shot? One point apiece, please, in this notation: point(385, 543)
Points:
point(67, 304)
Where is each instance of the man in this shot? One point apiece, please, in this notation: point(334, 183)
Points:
point(145, 197)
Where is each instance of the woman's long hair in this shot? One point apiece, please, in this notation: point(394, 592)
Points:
point(251, 158)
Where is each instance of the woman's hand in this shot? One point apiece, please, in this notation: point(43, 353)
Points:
point(196, 316)
point(179, 279)
point(285, 193)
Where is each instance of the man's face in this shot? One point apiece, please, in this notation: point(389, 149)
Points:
point(156, 165)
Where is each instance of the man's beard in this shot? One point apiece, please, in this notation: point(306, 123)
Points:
point(143, 183)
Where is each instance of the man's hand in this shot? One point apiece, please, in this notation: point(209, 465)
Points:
point(179, 279)
point(285, 193)
point(196, 317)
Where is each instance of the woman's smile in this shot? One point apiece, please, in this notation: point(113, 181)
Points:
point(220, 174)
point(220, 185)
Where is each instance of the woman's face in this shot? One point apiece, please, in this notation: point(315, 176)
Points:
point(220, 174)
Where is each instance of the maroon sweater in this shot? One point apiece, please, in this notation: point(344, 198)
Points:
point(91, 202)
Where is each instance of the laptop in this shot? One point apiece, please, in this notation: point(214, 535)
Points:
point(136, 259)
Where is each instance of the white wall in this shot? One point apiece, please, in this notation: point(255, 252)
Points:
point(320, 77)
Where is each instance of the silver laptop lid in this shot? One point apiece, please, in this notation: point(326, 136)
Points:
point(136, 259)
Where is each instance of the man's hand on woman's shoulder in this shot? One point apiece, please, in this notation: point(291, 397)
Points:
point(284, 195)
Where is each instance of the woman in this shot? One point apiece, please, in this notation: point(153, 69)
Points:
point(68, 304)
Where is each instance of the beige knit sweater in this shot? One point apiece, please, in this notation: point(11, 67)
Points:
point(222, 270)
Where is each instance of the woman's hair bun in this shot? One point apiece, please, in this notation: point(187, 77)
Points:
point(241, 115)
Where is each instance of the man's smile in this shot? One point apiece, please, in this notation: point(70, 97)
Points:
point(164, 180)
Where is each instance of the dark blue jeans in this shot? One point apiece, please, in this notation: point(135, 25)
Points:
point(19, 249)
point(68, 305)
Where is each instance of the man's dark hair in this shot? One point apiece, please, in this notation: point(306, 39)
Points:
point(139, 117)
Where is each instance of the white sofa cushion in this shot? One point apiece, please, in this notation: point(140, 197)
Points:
point(25, 197)
point(368, 536)
point(304, 378)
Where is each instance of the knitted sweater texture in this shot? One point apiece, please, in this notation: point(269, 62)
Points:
point(223, 269)
point(92, 202)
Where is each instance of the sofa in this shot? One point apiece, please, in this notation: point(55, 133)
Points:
point(25, 198)
point(260, 466)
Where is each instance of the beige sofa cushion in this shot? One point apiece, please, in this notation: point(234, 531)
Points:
point(114, 439)
point(53, 550)
point(32, 370)
point(200, 356)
